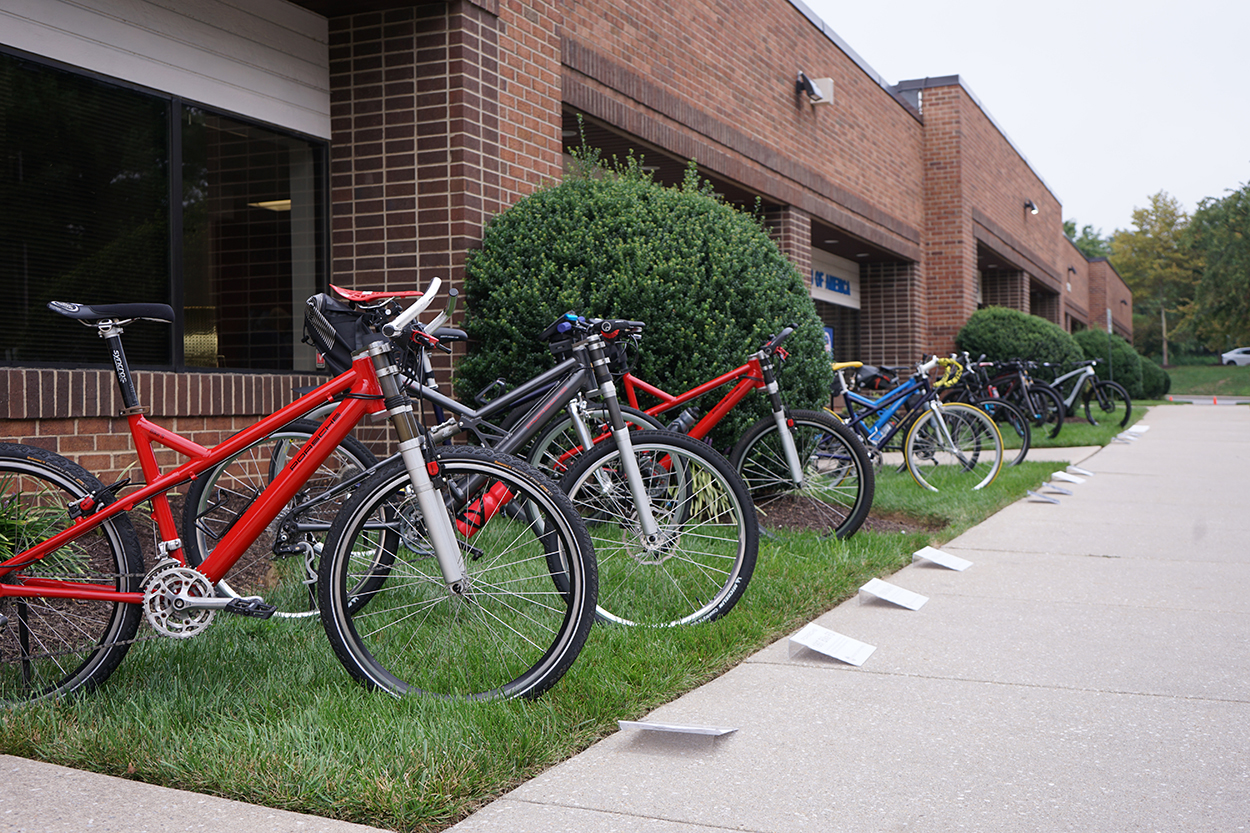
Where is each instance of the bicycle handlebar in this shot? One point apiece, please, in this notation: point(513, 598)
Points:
point(397, 324)
point(776, 341)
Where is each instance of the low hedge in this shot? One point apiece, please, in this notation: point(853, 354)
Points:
point(1003, 334)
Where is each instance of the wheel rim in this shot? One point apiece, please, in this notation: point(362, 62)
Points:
point(693, 572)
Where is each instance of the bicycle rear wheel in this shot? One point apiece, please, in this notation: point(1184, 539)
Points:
point(1013, 425)
point(557, 446)
point(394, 623)
point(955, 446)
point(699, 565)
point(838, 481)
point(281, 564)
point(50, 646)
point(1047, 408)
point(1108, 400)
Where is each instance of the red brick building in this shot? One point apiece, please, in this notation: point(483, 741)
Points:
point(401, 129)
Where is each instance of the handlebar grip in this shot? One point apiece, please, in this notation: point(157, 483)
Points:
point(399, 322)
point(779, 339)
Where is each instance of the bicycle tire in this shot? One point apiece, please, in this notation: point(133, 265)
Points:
point(217, 498)
point(514, 634)
point(838, 478)
point(51, 647)
point(709, 534)
point(557, 446)
point(974, 446)
point(1104, 396)
point(1048, 408)
point(1017, 433)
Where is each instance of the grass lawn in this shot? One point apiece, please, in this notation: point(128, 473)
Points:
point(260, 711)
point(1210, 380)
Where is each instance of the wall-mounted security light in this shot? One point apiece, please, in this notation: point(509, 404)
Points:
point(815, 90)
point(1031, 206)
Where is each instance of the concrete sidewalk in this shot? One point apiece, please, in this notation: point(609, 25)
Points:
point(1090, 671)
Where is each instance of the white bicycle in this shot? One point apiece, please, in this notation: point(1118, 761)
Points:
point(1101, 398)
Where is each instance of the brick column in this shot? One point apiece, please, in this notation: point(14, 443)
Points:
point(891, 328)
point(950, 259)
point(791, 229)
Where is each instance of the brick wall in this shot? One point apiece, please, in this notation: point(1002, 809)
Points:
point(714, 84)
point(1005, 289)
point(791, 230)
point(73, 412)
point(891, 329)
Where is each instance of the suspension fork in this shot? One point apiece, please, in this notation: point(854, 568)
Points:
point(625, 446)
point(935, 405)
point(433, 509)
point(784, 423)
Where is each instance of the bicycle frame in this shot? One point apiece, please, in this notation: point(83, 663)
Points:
point(756, 374)
point(1086, 375)
point(880, 431)
point(360, 391)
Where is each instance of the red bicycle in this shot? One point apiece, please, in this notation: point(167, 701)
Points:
point(804, 469)
point(420, 589)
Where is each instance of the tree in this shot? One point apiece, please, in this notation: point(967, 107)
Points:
point(1220, 235)
point(1090, 242)
point(1157, 261)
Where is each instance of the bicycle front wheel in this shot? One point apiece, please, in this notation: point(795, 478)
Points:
point(281, 564)
point(513, 632)
point(698, 565)
point(1109, 401)
point(954, 446)
point(52, 646)
point(838, 481)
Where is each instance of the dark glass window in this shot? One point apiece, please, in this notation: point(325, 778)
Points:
point(84, 211)
point(86, 215)
point(251, 215)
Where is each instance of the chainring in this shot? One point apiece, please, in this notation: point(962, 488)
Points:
point(161, 606)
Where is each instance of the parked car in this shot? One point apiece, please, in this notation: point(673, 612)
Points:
point(1237, 356)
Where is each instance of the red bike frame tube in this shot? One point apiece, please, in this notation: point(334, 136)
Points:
point(750, 374)
point(359, 382)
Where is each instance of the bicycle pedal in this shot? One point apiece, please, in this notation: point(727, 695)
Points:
point(254, 608)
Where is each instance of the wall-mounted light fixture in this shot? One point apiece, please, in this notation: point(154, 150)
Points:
point(1031, 206)
point(1072, 269)
point(815, 90)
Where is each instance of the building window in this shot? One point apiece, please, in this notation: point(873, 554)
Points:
point(88, 213)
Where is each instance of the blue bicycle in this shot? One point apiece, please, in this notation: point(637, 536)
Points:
point(945, 445)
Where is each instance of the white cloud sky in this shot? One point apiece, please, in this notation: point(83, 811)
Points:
point(1110, 102)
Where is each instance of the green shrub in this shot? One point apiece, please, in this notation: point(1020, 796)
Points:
point(610, 242)
point(1125, 363)
point(1155, 381)
point(1003, 334)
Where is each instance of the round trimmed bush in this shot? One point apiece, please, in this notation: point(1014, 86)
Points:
point(1125, 363)
point(1003, 334)
point(609, 242)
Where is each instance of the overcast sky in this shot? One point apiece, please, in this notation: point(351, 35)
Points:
point(1109, 101)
